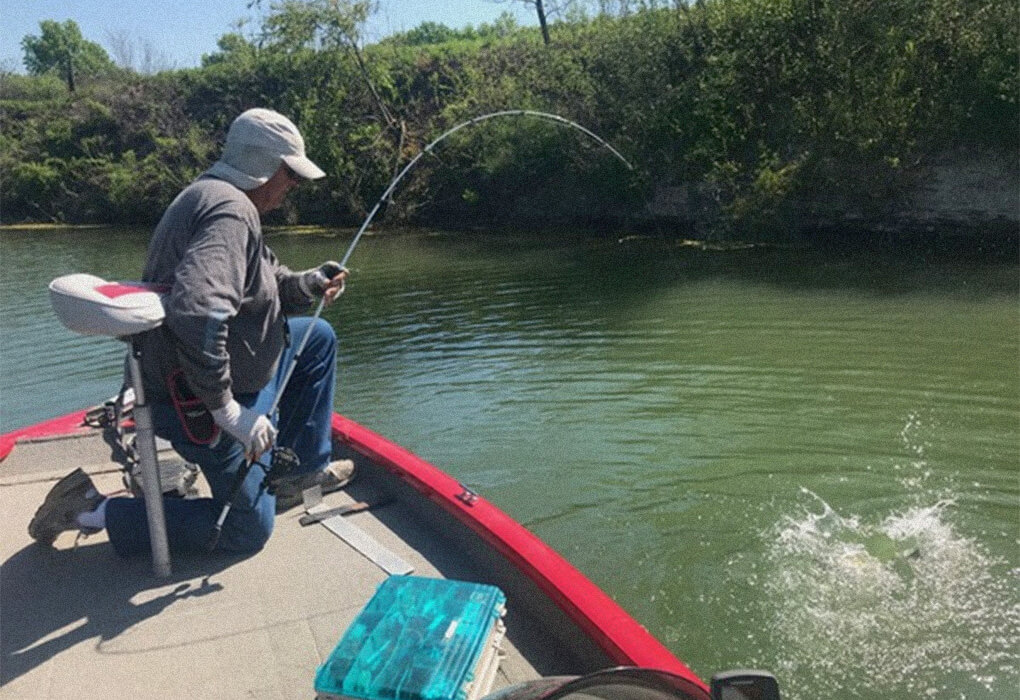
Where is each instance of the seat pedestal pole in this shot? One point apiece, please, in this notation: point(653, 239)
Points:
point(145, 443)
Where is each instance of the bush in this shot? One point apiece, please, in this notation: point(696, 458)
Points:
point(764, 103)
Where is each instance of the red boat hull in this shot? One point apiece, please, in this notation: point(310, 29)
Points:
point(608, 625)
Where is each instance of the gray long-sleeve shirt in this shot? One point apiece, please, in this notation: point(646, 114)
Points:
point(224, 314)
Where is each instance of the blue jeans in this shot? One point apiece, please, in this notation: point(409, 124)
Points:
point(304, 422)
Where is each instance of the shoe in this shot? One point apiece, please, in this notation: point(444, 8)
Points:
point(289, 492)
point(70, 497)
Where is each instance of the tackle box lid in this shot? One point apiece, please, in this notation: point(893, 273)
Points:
point(416, 639)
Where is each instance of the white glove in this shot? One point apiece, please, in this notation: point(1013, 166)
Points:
point(254, 431)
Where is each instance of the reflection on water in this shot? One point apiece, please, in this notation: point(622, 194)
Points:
point(662, 414)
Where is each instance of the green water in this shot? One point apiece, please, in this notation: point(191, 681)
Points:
point(771, 458)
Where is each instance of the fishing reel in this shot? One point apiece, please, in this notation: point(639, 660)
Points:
point(283, 461)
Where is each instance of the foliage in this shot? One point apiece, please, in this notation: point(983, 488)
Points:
point(77, 158)
point(60, 47)
point(428, 33)
point(322, 24)
point(233, 48)
point(756, 106)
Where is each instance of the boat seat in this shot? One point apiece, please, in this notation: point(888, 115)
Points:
point(90, 305)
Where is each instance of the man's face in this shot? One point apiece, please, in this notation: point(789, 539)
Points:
point(270, 195)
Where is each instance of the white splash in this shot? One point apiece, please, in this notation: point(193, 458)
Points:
point(904, 607)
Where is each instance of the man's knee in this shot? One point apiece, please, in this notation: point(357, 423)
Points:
point(247, 531)
point(324, 334)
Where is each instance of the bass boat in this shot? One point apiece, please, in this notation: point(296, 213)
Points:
point(404, 584)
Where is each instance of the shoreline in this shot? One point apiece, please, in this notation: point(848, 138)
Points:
point(994, 240)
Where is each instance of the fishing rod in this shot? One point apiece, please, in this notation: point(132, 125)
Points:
point(555, 118)
point(400, 176)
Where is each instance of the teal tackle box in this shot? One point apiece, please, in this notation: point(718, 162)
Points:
point(418, 639)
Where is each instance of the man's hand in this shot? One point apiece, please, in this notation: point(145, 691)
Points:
point(253, 430)
point(337, 280)
point(328, 280)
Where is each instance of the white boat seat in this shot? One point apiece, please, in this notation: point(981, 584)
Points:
point(90, 305)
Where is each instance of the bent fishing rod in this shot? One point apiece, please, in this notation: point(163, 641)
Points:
point(555, 118)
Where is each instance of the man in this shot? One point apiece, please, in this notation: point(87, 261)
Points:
point(212, 370)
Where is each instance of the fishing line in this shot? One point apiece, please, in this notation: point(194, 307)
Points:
point(555, 118)
point(400, 176)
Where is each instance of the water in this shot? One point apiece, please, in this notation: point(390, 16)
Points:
point(777, 459)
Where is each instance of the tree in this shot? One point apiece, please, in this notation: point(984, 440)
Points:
point(429, 33)
point(545, 9)
point(60, 47)
point(316, 24)
point(139, 55)
point(323, 24)
point(540, 9)
point(233, 47)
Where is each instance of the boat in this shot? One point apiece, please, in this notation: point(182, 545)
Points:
point(79, 621)
point(76, 616)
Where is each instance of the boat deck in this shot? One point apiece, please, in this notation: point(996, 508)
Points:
point(78, 621)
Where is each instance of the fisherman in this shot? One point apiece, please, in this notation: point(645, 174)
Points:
point(212, 370)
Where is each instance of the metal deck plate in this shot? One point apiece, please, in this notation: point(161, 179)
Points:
point(367, 545)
